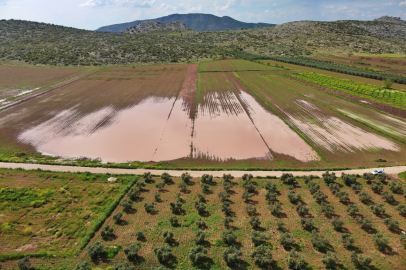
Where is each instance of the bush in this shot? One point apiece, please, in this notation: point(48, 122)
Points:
point(160, 267)
point(140, 235)
point(228, 237)
point(201, 198)
point(176, 208)
point(347, 240)
point(334, 187)
point(294, 197)
point(320, 196)
point(288, 179)
point(186, 177)
point(388, 82)
point(227, 177)
point(201, 208)
point(107, 232)
point(182, 186)
point(81, 266)
point(174, 221)
point(166, 177)
point(199, 237)
point(391, 224)
point(327, 209)
point(127, 205)
point(168, 237)
point(271, 187)
point(262, 256)
point(227, 221)
point(352, 209)
point(163, 253)
point(364, 197)
point(132, 252)
point(117, 217)
point(157, 196)
point(205, 188)
point(207, 179)
point(369, 177)
point(329, 178)
point(246, 196)
point(378, 209)
point(366, 223)
point(357, 187)
point(280, 225)
point(255, 223)
point(313, 187)
point(302, 210)
point(396, 187)
point(134, 193)
point(227, 186)
point(360, 261)
point(343, 196)
point(401, 208)
point(250, 209)
point(149, 207)
point(276, 209)
point(330, 259)
point(198, 255)
point(247, 177)
point(95, 250)
point(287, 240)
point(338, 224)
point(388, 196)
point(200, 223)
point(377, 187)
point(308, 179)
point(319, 242)
point(226, 209)
point(223, 196)
point(140, 184)
point(232, 256)
point(147, 177)
point(24, 263)
point(271, 196)
point(258, 238)
point(296, 260)
point(380, 241)
point(124, 266)
point(349, 179)
point(307, 223)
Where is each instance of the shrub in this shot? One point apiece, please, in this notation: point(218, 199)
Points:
point(377, 187)
point(227, 221)
point(232, 256)
point(223, 196)
point(364, 197)
point(205, 188)
point(352, 209)
point(163, 253)
point(313, 187)
point(249, 186)
point(200, 223)
point(380, 241)
point(369, 177)
point(160, 267)
point(147, 177)
point(343, 196)
point(199, 237)
point(246, 196)
point(320, 196)
point(124, 266)
point(117, 217)
point(166, 177)
point(287, 240)
point(127, 205)
point(226, 209)
point(347, 240)
point(391, 224)
point(206, 179)
point(160, 185)
point(330, 259)
point(302, 210)
point(280, 225)
point(294, 197)
point(140, 235)
point(357, 187)
point(296, 260)
point(262, 256)
point(168, 237)
point(201, 198)
point(255, 223)
point(307, 223)
point(81, 266)
point(288, 179)
point(134, 193)
point(140, 184)
point(388, 196)
point(258, 238)
point(174, 221)
point(334, 187)
point(157, 196)
point(366, 223)
point(186, 177)
point(319, 242)
point(176, 208)
point(396, 187)
point(201, 208)
point(132, 252)
point(360, 261)
point(401, 208)
point(276, 209)
point(149, 207)
point(182, 186)
point(327, 209)
point(198, 255)
point(228, 177)
point(270, 196)
point(338, 224)
point(378, 209)
point(95, 250)
point(24, 263)
point(349, 179)
point(388, 82)
point(271, 187)
point(247, 177)
point(250, 209)
point(228, 237)
point(308, 179)
point(227, 186)
point(107, 232)
point(329, 178)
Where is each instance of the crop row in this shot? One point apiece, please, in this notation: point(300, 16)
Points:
point(377, 93)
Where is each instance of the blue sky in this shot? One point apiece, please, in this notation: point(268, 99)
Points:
point(91, 14)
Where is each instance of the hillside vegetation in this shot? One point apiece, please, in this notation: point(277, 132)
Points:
point(38, 43)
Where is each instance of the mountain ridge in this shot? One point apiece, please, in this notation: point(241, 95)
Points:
point(146, 27)
point(194, 21)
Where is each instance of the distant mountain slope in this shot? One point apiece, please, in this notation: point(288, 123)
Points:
point(146, 27)
point(195, 21)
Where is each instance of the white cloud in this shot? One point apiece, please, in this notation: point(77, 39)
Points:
point(227, 6)
point(402, 3)
point(132, 3)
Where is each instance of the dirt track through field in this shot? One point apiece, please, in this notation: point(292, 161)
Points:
point(177, 173)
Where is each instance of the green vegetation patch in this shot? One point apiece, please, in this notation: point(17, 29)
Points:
point(402, 175)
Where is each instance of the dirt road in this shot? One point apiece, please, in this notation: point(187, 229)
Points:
point(57, 168)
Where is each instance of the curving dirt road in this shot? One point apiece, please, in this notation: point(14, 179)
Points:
point(59, 168)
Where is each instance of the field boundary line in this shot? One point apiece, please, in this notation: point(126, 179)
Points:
point(52, 88)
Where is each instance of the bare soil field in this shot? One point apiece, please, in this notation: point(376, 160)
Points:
point(232, 65)
point(155, 223)
point(16, 80)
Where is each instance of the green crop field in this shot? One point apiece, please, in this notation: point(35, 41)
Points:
point(233, 65)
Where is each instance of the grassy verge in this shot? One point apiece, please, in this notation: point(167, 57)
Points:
point(402, 175)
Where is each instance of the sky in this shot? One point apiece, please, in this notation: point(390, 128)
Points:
point(92, 14)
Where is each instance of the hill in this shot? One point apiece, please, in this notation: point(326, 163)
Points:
point(146, 27)
point(196, 22)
